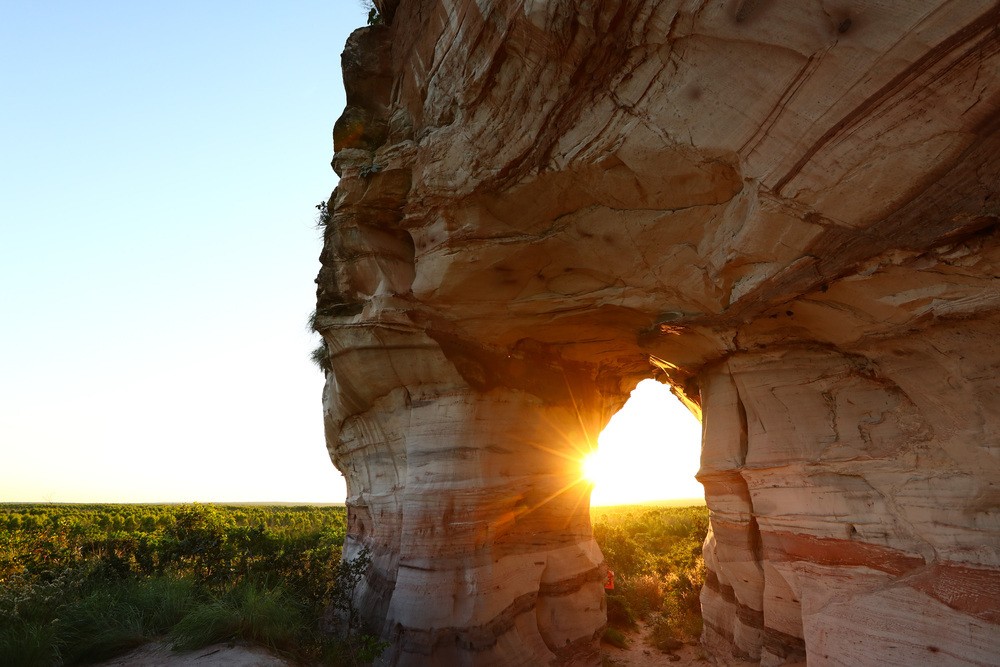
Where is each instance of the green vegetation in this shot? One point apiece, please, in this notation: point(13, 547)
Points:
point(615, 637)
point(655, 553)
point(80, 583)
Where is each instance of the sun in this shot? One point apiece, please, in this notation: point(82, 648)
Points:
point(592, 465)
point(650, 451)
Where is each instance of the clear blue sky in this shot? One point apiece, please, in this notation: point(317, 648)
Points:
point(160, 164)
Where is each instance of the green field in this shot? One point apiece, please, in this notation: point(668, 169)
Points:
point(80, 583)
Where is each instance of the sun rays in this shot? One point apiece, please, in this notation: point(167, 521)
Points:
point(649, 451)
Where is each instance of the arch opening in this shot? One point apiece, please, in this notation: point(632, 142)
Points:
point(649, 452)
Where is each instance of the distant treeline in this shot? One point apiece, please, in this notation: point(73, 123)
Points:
point(97, 518)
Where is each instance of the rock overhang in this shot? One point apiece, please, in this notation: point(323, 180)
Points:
point(789, 212)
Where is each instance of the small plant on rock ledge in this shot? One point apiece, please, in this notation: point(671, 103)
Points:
point(374, 17)
point(321, 357)
point(323, 217)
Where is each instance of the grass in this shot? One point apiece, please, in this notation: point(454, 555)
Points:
point(111, 617)
point(115, 616)
point(27, 644)
point(205, 624)
point(321, 357)
point(86, 616)
point(163, 601)
point(323, 215)
point(266, 616)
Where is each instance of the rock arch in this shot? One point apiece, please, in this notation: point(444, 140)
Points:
point(790, 211)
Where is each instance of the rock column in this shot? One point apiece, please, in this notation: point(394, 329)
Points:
point(464, 480)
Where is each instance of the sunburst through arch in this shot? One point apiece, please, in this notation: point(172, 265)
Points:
point(649, 452)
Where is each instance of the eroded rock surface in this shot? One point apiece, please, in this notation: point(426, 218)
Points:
point(788, 211)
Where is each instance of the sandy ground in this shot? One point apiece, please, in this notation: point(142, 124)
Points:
point(641, 653)
point(218, 655)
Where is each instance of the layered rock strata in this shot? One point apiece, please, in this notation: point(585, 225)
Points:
point(788, 211)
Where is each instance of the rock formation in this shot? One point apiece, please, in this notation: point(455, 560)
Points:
point(788, 211)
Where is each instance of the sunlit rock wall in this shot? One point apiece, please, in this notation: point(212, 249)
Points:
point(463, 480)
point(786, 210)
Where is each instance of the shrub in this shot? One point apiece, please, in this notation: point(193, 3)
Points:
point(620, 612)
point(680, 620)
point(614, 637)
point(359, 649)
point(200, 544)
point(682, 606)
point(645, 594)
point(665, 636)
point(348, 576)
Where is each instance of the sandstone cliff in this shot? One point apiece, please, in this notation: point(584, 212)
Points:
point(788, 211)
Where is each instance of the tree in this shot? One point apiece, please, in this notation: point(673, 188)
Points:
point(349, 574)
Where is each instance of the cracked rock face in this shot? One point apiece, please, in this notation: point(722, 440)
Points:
point(788, 211)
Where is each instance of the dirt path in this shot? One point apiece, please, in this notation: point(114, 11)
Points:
point(641, 653)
